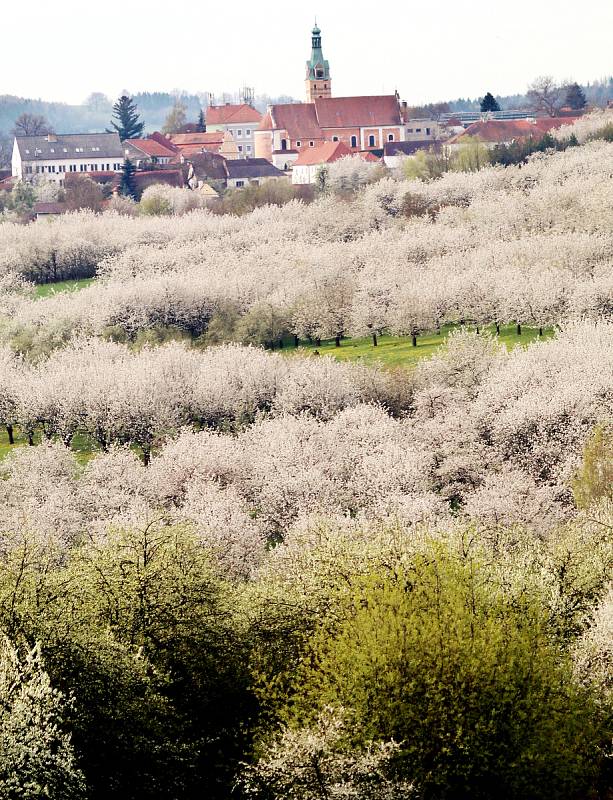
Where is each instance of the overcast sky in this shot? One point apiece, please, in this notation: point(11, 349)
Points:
point(429, 51)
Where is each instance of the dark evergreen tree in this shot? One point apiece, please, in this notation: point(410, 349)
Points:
point(128, 186)
point(128, 124)
point(489, 103)
point(575, 97)
point(201, 124)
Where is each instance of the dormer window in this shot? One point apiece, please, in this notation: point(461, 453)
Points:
point(51, 150)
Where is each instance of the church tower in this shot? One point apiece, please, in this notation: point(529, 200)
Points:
point(318, 82)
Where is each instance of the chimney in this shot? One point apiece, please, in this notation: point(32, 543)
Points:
point(51, 137)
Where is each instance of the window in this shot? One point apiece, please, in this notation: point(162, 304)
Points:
point(409, 130)
point(28, 152)
point(51, 150)
point(65, 149)
point(248, 148)
point(240, 184)
point(417, 130)
point(428, 131)
point(311, 144)
point(335, 138)
point(82, 167)
point(283, 144)
point(51, 169)
point(298, 144)
point(247, 132)
point(390, 137)
point(325, 85)
point(354, 141)
point(239, 132)
point(240, 148)
point(28, 170)
point(371, 140)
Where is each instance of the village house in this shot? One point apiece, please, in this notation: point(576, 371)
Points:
point(240, 120)
point(492, 132)
point(147, 152)
point(309, 162)
point(395, 152)
point(254, 171)
point(361, 123)
point(56, 155)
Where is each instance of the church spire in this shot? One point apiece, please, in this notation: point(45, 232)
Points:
point(317, 69)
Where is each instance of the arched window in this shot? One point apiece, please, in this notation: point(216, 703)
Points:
point(390, 137)
point(371, 140)
point(354, 141)
point(283, 144)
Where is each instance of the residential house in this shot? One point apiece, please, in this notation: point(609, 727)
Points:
point(56, 155)
point(203, 169)
point(188, 144)
point(310, 161)
point(49, 210)
point(493, 131)
point(239, 120)
point(147, 152)
point(255, 171)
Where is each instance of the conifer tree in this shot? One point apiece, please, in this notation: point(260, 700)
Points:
point(127, 187)
point(128, 125)
point(489, 103)
point(201, 124)
point(575, 97)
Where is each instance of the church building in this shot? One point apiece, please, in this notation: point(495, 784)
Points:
point(363, 123)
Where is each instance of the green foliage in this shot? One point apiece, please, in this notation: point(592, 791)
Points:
point(443, 658)
point(275, 192)
point(128, 125)
point(594, 481)
point(575, 97)
point(36, 755)
point(472, 155)
point(155, 206)
point(127, 186)
point(489, 103)
point(262, 324)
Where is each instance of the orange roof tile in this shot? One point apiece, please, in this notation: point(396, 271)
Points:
point(232, 114)
point(357, 112)
point(210, 137)
point(323, 154)
point(152, 147)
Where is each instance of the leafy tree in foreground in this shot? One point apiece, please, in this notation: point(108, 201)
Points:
point(489, 103)
point(36, 757)
point(464, 674)
point(128, 124)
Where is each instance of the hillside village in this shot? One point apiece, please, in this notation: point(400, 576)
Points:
point(234, 145)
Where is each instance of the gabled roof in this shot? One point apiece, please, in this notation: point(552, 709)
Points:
point(69, 146)
point(323, 154)
point(298, 119)
point(252, 168)
point(210, 137)
point(208, 166)
point(150, 147)
point(163, 140)
point(357, 112)
point(496, 131)
point(50, 208)
point(229, 114)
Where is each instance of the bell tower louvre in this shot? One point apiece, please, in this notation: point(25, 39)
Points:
point(318, 83)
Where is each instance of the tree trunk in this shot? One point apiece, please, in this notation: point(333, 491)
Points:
point(337, 341)
point(280, 344)
point(31, 439)
point(414, 339)
point(318, 342)
point(9, 430)
point(497, 329)
point(296, 341)
point(540, 331)
point(518, 329)
point(478, 329)
point(374, 340)
point(146, 454)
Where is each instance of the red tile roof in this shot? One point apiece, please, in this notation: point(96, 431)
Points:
point(266, 123)
point(172, 177)
point(232, 114)
point(50, 208)
point(357, 112)
point(496, 131)
point(210, 137)
point(163, 140)
point(323, 154)
point(298, 119)
point(152, 147)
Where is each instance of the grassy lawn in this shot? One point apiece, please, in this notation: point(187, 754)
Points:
point(82, 446)
point(398, 351)
point(47, 289)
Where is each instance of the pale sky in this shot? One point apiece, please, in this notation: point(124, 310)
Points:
point(429, 51)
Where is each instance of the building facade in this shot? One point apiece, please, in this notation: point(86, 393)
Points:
point(56, 155)
point(239, 120)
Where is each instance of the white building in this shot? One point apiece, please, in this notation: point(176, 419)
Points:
point(54, 155)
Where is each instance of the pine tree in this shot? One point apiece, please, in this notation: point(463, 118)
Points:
point(201, 124)
point(489, 103)
point(128, 124)
point(575, 97)
point(127, 187)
